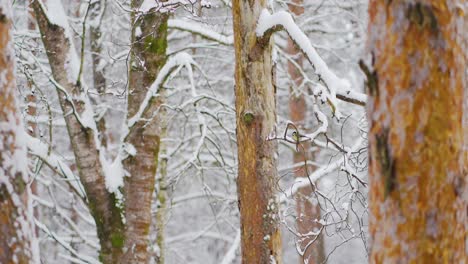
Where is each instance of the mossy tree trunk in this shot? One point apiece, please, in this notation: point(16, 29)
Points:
point(147, 58)
point(418, 190)
point(255, 119)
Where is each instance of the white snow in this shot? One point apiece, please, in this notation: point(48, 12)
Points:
point(147, 5)
point(114, 173)
point(41, 150)
point(180, 59)
point(56, 15)
point(268, 21)
point(13, 158)
point(320, 172)
point(200, 29)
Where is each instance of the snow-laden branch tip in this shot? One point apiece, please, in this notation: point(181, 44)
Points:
point(41, 150)
point(200, 29)
point(269, 21)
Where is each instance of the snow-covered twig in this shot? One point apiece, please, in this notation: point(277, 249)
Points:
point(64, 244)
point(179, 59)
point(41, 150)
point(268, 22)
point(199, 29)
point(231, 254)
point(320, 172)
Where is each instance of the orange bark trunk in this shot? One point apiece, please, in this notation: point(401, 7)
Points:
point(418, 191)
point(16, 227)
point(255, 119)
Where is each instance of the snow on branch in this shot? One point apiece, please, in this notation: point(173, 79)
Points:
point(56, 15)
point(41, 150)
point(199, 29)
point(180, 59)
point(169, 5)
point(322, 171)
point(114, 171)
point(64, 244)
point(268, 22)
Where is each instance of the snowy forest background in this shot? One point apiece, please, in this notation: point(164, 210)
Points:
point(194, 208)
point(201, 218)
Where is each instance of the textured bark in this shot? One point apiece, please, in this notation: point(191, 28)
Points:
point(147, 58)
point(418, 190)
point(255, 119)
point(16, 227)
point(307, 212)
point(101, 202)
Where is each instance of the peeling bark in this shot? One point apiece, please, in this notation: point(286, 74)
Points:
point(418, 187)
point(255, 119)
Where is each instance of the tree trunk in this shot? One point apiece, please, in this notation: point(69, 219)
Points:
point(16, 226)
point(147, 58)
point(418, 191)
point(101, 202)
point(307, 212)
point(255, 119)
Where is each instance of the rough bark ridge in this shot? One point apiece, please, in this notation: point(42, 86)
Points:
point(255, 118)
point(148, 57)
point(418, 192)
point(101, 202)
point(16, 227)
point(306, 211)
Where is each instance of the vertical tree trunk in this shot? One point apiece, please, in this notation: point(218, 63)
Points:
point(307, 212)
point(101, 202)
point(16, 227)
point(147, 58)
point(255, 119)
point(418, 191)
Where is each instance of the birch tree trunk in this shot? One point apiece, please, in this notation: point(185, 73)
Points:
point(418, 190)
point(255, 119)
point(101, 202)
point(147, 58)
point(16, 226)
